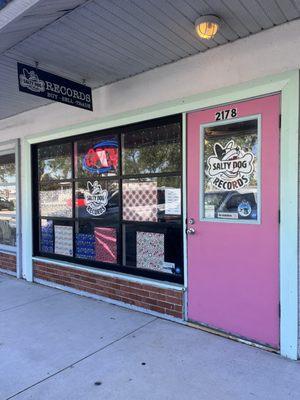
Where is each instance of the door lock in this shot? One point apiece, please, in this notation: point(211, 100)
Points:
point(190, 231)
point(191, 221)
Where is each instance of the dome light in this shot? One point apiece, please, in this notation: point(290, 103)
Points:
point(207, 26)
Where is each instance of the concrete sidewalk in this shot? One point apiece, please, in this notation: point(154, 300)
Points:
point(59, 346)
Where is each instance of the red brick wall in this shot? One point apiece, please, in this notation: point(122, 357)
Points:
point(8, 261)
point(164, 301)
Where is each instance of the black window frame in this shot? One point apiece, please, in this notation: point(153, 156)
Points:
point(120, 267)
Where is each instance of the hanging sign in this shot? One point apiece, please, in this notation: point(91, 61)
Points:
point(53, 87)
point(96, 199)
point(229, 168)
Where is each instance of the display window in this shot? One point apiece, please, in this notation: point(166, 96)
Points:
point(113, 199)
point(8, 200)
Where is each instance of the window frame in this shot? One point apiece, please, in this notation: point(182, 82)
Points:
point(202, 217)
point(119, 177)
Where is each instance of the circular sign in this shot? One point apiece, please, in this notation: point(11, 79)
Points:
point(244, 208)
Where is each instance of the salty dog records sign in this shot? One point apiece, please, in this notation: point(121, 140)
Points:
point(230, 168)
point(53, 87)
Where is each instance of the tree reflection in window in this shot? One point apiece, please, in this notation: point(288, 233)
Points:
point(55, 162)
point(152, 150)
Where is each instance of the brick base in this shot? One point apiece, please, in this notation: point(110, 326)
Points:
point(8, 262)
point(164, 301)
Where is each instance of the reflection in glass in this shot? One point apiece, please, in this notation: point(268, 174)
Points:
point(152, 150)
point(98, 199)
point(96, 157)
point(8, 200)
point(95, 242)
point(7, 168)
point(55, 162)
point(56, 199)
point(152, 248)
point(8, 230)
point(231, 168)
point(156, 199)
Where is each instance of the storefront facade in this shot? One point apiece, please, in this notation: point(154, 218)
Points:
point(182, 206)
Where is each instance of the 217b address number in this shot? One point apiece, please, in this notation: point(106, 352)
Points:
point(226, 114)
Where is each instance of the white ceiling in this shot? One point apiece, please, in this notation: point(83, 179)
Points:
point(102, 41)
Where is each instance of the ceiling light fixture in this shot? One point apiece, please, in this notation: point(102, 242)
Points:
point(207, 26)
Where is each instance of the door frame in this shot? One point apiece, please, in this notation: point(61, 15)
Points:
point(287, 83)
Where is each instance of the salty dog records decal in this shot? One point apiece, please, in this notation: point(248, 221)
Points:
point(102, 157)
point(96, 199)
point(229, 168)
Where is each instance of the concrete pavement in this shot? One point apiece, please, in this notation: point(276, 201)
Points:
point(56, 345)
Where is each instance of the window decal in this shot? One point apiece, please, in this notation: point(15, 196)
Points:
point(95, 199)
point(150, 250)
point(102, 157)
point(230, 189)
point(140, 201)
point(63, 240)
point(244, 208)
point(85, 246)
point(106, 244)
point(47, 240)
point(229, 167)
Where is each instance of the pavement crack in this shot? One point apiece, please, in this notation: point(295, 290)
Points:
point(30, 302)
point(83, 358)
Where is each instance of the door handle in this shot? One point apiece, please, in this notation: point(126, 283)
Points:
point(190, 231)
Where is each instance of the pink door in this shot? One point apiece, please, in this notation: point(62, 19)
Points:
point(233, 219)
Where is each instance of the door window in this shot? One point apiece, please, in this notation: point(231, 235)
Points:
point(230, 186)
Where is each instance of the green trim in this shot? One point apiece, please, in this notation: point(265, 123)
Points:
point(289, 296)
point(26, 207)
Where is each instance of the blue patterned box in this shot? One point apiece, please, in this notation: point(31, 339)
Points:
point(85, 246)
point(47, 240)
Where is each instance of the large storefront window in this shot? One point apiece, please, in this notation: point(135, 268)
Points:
point(112, 199)
point(7, 200)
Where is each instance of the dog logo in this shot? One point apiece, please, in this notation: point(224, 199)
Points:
point(95, 199)
point(31, 81)
point(229, 168)
point(244, 208)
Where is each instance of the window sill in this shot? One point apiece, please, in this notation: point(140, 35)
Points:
point(8, 249)
point(113, 274)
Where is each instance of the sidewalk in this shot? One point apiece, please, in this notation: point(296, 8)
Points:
point(60, 346)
